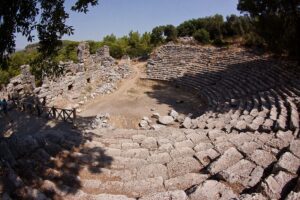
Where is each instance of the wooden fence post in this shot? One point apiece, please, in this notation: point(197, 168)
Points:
point(53, 112)
point(74, 115)
point(65, 115)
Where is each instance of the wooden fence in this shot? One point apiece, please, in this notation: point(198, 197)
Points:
point(67, 115)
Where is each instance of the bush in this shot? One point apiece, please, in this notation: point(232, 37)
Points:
point(116, 51)
point(170, 33)
point(253, 40)
point(157, 35)
point(186, 28)
point(202, 36)
point(93, 46)
point(219, 42)
point(4, 77)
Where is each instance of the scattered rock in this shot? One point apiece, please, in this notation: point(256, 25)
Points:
point(166, 120)
point(174, 114)
point(180, 118)
point(155, 115)
point(187, 123)
point(101, 121)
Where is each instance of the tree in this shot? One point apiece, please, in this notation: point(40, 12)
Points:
point(277, 22)
point(202, 36)
point(20, 16)
point(157, 35)
point(233, 26)
point(214, 26)
point(133, 39)
point(110, 38)
point(187, 28)
point(170, 33)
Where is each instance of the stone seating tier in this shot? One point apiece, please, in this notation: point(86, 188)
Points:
point(263, 92)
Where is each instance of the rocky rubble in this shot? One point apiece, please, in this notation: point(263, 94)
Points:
point(101, 121)
point(174, 119)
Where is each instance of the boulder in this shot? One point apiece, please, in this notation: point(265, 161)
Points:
point(155, 115)
point(187, 123)
point(144, 124)
point(174, 114)
point(180, 118)
point(166, 120)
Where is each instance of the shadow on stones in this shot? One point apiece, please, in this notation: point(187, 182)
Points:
point(44, 158)
point(178, 98)
point(289, 186)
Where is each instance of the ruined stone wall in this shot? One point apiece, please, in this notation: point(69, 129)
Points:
point(93, 75)
point(22, 84)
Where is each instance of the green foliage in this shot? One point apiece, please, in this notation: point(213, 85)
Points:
point(39, 63)
point(157, 35)
point(213, 25)
point(137, 45)
point(253, 40)
point(4, 77)
point(202, 36)
point(187, 28)
point(162, 34)
point(170, 33)
point(22, 17)
point(277, 22)
point(109, 39)
point(134, 44)
point(236, 25)
point(67, 52)
point(219, 42)
point(41, 67)
point(93, 46)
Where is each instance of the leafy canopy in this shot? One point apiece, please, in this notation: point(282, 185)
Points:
point(21, 16)
point(277, 22)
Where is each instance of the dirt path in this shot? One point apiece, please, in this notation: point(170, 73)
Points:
point(137, 98)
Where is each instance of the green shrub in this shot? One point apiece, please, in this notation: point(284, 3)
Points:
point(93, 46)
point(202, 36)
point(116, 51)
point(157, 35)
point(170, 33)
point(219, 42)
point(253, 40)
point(186, 28)
point(4, 77)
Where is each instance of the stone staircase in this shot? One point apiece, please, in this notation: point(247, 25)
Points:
point(165, 164)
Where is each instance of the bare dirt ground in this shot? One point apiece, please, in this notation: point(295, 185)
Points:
point(138, 97)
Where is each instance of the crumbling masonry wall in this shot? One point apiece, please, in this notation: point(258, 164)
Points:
point(93, 75)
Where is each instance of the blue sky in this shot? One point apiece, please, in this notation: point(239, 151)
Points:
point(121, 16)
